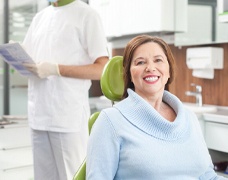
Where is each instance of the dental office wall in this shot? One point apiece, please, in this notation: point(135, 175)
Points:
point(214, 91)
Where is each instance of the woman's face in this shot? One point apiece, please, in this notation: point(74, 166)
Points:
point(149, 69)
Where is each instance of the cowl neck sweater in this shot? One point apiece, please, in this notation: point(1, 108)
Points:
point(142, 115)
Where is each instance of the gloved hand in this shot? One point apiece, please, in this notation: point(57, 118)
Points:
point(43, 69)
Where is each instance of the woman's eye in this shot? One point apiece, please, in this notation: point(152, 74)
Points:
point(140, 63)
point(158, 60)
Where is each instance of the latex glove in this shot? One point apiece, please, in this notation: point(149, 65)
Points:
point(43, 69)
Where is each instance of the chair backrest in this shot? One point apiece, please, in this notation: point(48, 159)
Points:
point(112, 86)
point(92, 120)
point(81, 173)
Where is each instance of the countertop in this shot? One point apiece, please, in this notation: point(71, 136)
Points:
point(210, 113)
point(220, 116)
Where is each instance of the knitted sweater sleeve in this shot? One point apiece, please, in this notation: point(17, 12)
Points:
point(103, 150)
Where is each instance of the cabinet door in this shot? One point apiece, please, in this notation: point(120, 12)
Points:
point(15, 137)
point(216, 136)
point(130, 17)
point(15, 159)
point(199, 25)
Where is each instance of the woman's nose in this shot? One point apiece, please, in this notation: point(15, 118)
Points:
point(150, 67)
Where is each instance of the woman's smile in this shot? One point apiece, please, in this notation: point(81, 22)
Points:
point(151, 78)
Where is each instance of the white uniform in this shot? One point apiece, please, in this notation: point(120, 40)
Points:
point(69, 35)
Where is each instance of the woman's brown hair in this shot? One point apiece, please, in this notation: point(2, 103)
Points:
point(128, 55)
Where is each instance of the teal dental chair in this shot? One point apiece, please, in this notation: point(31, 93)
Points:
point(112, 86)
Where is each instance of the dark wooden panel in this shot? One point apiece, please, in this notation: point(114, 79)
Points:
point(214, 91)
point(95, 89)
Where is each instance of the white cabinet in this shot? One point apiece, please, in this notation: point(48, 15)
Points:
point(16, 164)
point(129, 17)
point(16, 160)
point(216, 129)
point(205, 23)
point(216, 136)
point(199, 25)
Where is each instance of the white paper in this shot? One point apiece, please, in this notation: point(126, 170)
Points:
point(15, 55)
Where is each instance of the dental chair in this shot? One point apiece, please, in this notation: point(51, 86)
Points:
point(112, 87)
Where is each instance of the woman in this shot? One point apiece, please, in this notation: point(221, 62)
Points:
point(149, 134)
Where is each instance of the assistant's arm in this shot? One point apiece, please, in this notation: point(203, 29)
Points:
point(90, 71)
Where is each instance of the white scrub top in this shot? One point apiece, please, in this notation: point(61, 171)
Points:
point(69, 35)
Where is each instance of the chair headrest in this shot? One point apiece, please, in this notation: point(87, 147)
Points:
point(112, 84)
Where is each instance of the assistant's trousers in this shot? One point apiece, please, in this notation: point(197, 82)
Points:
point(57, 156)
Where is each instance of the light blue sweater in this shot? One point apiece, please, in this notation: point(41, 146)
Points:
point(132, 141)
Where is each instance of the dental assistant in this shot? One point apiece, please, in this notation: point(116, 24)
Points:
point(68, 44)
